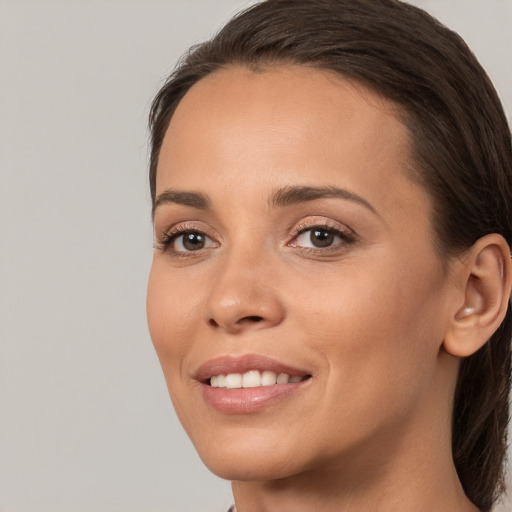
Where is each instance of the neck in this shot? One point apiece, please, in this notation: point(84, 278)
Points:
point(416, 488)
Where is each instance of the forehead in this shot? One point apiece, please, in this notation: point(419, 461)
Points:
point(284, 125)
point(280, 105)
point(302, 95)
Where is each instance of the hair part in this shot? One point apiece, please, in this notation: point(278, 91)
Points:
point(461, 145)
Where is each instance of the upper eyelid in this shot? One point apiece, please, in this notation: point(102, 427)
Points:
point(189, 225)
point(320, 222)
point(301, 228)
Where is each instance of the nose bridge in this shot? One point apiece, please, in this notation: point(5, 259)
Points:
point(243, 294)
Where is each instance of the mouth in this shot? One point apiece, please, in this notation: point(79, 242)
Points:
point(249, 383)
point(253, 379)
point(248, 371)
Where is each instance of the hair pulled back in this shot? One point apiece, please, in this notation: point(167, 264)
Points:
point(461, 146)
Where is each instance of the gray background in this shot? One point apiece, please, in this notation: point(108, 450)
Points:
point(85, 421)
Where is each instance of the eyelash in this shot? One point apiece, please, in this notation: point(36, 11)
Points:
point(347, 236)
point(168, 238)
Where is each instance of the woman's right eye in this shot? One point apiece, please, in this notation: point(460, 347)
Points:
point(186, 241)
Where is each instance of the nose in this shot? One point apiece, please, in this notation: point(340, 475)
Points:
point(244, 296)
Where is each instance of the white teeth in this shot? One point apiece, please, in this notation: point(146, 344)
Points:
point(283, 378)
point(268, 378)
point(218, 381)
point(234, 380)
point(252, 379)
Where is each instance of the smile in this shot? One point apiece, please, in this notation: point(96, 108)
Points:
point(253, 379)
point(249, 383)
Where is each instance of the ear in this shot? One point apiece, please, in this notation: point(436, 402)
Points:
point(486, 275)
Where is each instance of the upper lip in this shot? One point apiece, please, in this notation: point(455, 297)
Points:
point(240, 364)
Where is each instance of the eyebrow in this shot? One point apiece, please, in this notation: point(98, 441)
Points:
point(283, 197)
point(185, 198)
point(293, 195)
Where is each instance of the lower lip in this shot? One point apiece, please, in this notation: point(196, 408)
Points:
point(248, 400)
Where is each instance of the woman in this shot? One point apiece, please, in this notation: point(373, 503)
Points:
point(330, 290)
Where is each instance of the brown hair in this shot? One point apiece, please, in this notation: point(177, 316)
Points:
point(461, 143)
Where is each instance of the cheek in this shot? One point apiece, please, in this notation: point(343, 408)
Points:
point(172, 318)
point(378, 330)
point(171, 313)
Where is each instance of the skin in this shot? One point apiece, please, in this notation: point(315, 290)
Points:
point(367, 317)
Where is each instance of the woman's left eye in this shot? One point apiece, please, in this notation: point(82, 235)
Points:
point(321, 238)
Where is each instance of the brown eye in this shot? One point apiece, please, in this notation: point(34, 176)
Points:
point(190, 241)
point(187, 241)
point(183, 241)
point(321, 237)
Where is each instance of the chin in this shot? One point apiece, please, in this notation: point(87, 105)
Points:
point(247, 468)
point(250, 457)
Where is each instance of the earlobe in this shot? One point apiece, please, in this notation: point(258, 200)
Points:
point(487, 280)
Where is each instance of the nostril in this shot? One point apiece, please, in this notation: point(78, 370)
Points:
point(254, 319)
point(236, 323)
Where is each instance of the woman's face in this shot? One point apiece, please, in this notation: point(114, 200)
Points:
point(290, 240)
